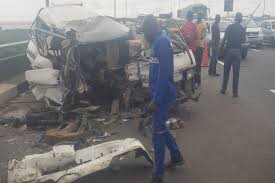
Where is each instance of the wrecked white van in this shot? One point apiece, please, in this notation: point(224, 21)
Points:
point(78, 55)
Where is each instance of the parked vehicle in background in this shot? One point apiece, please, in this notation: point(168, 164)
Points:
point(268, 28)
point(172, 25)
point(196, 8)
point(253, 31)
point(223, 27)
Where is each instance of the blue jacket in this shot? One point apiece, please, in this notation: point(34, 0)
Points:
point(161, 71)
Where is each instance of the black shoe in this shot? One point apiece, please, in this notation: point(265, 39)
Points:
point(156, 180)
point(235, 95)
point(222, 92)
point(176, 163)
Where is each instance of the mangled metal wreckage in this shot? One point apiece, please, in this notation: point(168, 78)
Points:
point(79, 56)
point(80, 59)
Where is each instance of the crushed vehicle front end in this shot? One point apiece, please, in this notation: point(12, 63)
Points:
point(88, 58)
point(76, 58)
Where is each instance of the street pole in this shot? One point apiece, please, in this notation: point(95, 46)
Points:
point(172, 6)
point(264, 8)
point(126, 8)
point(47, 3)
point(179, 4)
point(115, 8)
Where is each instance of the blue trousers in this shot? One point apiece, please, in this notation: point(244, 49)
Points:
point(213, 61)
point(162, 137)
point(233, 59)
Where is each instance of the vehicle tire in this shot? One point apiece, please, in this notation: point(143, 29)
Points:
point(244, 53)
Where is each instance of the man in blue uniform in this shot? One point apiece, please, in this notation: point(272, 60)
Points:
point(163, 93)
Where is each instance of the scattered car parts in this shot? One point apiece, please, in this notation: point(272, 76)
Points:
point(65, 165)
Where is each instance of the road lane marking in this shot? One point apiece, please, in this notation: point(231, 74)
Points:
point(255, 50)
point(273, 91)
point(220, 62)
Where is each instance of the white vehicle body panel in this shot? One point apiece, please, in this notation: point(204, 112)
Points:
point(182, 62)
point(36, 168)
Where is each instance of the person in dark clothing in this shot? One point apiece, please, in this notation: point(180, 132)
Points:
point(234, 38)
point(215, 42)
point(200, 44)
point(163, 95)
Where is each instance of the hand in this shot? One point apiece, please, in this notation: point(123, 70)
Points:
point(152, 107)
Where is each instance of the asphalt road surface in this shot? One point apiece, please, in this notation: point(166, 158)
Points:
point(227, 140)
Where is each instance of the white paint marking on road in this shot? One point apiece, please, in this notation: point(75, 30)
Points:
point(273, 91)
point(255, 50)
point(220, 62)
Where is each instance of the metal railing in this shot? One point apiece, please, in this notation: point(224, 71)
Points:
point(8, 45)
point(12, 65)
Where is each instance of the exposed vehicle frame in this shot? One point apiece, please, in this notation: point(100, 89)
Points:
point(90, 63)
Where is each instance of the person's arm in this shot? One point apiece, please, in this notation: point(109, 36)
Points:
point(164, 54)
point(225, 37)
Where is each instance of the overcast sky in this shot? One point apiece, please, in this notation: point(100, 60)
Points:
point(26, 10)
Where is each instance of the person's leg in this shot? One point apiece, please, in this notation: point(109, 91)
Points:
point(199, 56)
point(210, 68)
point(215, 60)
point(226, 71)
point(236, 72)
point(159, 128)
point(171, 144)
point(170, 141)
point(159, 149)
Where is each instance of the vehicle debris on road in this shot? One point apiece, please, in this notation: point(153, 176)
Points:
point(65, 164)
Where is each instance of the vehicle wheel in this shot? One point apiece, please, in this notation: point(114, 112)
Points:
point(244, 53)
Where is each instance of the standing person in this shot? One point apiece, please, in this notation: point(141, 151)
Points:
point(163, 94)
point(200, 43)
point(235, 36)
point(189, 31)
point(215, 42)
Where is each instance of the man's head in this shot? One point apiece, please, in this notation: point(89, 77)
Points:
point(238, 17)
point(150, 27)
point(199, 17)
point(190, 15)
point(218, 18)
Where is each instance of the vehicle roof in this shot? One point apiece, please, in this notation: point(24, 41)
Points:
point(89, 26)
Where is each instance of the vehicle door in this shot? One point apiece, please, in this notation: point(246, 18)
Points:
point(263, 26)
point(268, 32)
